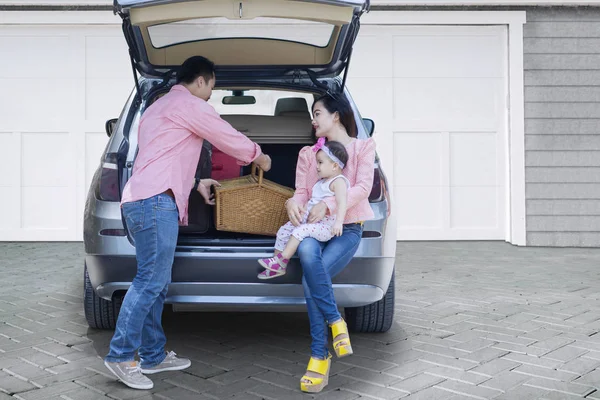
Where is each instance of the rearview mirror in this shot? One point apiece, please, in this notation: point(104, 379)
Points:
point(110, 126)
point(239, 100)
point(369, 125)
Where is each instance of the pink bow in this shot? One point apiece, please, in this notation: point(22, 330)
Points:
point(319, 145)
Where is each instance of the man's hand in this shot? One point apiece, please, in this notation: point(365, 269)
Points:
point(295, 212)
point(317, 213)
point(264, 162)
point(337, 228)
point(204, 190)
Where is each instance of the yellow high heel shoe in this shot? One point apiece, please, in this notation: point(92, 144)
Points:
point(341, 339)
point(321, 367)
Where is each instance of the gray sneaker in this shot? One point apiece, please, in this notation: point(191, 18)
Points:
point(130, 374)
point(170, 363)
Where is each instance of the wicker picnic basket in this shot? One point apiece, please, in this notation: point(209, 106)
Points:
point(251, 204)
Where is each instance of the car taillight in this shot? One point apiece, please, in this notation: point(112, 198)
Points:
point(108, 186)
point(379, 191)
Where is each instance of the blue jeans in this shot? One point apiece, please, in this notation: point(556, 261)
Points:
point(320, 262)
point(154, 226)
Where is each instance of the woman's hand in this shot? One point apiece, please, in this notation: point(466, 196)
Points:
point(204, 190)
point(337, 229)
point(295, 212)
point(317, 213)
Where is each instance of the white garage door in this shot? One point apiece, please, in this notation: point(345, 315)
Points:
point(438, 95)
point(59, 87)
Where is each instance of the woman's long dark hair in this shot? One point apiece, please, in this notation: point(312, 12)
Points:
point(342, 107)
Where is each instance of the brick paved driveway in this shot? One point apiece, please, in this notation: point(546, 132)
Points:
point(473, 320)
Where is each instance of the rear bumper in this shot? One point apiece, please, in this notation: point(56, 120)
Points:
point(218, 281)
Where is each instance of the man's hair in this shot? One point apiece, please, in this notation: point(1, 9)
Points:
point(194, 67)
point(338, 150)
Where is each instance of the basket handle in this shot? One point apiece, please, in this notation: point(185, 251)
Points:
point(260, 173)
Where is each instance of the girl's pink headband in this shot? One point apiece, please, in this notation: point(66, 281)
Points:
point(321, 146)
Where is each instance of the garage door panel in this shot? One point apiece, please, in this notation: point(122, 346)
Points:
point(105, 98)
point(450, 103)
point(106, 57)
point(45, 56)
point(10, 159)
point(376, 58)
point(65, 81)
point(47, 207)
point(418, 159)
point(447, 55)
point(46, 159)
point(10, 211)
point(37, 102)
point(419, 207)
point(473, 159)
point(473, 207)
point(374, 98)
point(447, 128)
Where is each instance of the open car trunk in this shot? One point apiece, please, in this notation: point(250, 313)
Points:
point(282, 138)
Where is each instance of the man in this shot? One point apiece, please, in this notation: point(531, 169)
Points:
point(154, 204)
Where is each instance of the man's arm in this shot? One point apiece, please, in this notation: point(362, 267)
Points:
point(204, 121)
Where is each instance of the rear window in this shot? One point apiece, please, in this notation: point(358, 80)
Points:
point(266, 102)
point(315, 34)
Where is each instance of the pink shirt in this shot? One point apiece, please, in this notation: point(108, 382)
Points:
point(170, 140)
point(359, 171)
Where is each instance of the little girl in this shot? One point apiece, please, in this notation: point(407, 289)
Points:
point(331, 159)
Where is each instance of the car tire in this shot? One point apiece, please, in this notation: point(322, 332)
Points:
point(376, 317)
point(99, 313)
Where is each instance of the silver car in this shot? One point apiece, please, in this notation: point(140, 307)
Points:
point(269, 72)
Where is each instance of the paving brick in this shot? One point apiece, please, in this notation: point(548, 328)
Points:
point(379, 378)
point(553, 343)
point(484, 355)
point(448, 362)
point(193, 383)
point(269, 391)
point(45, 393)
point(531, 360)
point(560, 396)
point(465, 389)
point(27, 371)
point(409, 369)
point(418, 382)
point(546, 373)
point(10, 384)
point(565, 354)
point(505, 381)
point(83, 393)
point(457, 375)
point(580, 366)
point(440, 350)
point(474, 345)
point(523, 393)
point(378, 392)
point(563, 387)
point(432, 393)
point(517, 348)
point(591, 378)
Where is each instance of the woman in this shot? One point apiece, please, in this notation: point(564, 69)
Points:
point(333, 119)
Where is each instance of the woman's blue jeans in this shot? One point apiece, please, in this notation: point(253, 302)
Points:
point(320, 262)
point(154, 225)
